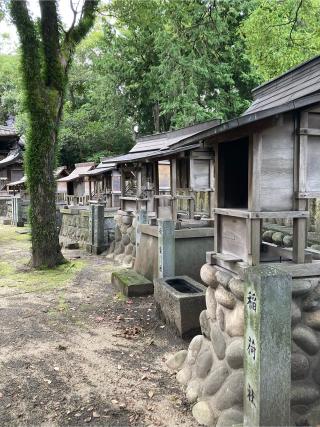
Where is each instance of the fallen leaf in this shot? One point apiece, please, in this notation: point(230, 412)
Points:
point(95, 414)
point(114, 401)
point(150, 393)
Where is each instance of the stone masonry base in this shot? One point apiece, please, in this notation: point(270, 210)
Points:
point(211, 370)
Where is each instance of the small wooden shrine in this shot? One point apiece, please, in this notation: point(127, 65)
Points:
point(169, 182)
point(11, 146)
point(105, 183)
point(267, 167)
point(76, 185)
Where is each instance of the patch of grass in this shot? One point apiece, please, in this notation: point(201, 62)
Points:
point(39, 280)
point(9, 236)
point(15, 273)
point(120, 297)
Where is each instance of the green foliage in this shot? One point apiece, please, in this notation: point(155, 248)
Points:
point(95, 123)
point(179, 62)
point(157, 65)
point(10, 87)
point(282, 34)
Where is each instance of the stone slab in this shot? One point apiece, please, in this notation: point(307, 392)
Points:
point(6, 221)
point(131, 283)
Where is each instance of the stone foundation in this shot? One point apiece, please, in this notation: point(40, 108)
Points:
point(123, 248)
point(4, 202)
point(211, 369)
point(75, 226)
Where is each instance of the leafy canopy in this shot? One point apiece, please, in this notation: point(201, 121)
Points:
point(282, 34)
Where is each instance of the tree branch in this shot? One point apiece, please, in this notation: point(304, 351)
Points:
point(78, 32)
point(295, 20)
point(53, 70)
point(30, 44)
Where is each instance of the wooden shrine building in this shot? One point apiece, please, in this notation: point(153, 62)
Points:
point(105, 183)
point(267, 167)
point(169, 181)
point(11, 146)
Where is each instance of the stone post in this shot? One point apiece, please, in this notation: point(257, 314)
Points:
point(96, 241)
point(142, 218)
point(17, 219)
point(267, 347)
point(166, 248)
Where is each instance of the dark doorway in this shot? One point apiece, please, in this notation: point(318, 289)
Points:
point(233, 174)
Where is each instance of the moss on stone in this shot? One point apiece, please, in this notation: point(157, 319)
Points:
point(130, 277)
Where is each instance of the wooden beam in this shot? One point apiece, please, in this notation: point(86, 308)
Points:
point(243, 213)
point(308, 131)
point(212, 189)
point(254, 233)
point(173, 185)
point(299, 240)
point(254, 172)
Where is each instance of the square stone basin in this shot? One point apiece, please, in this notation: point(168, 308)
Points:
point(179, 302)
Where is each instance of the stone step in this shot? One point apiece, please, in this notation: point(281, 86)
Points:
point(131, 283)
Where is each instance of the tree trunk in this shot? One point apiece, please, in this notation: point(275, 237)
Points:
point(40, 166)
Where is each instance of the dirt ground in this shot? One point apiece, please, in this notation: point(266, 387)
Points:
point(74, 352)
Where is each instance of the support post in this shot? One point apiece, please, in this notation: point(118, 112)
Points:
point(97, 243)
point(17, 219)
point(166, 248)
point(267, 347)
point(142, 218)
point(173, 184)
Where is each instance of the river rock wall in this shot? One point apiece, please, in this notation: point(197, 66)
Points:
point(123, 248)
point(211, 370)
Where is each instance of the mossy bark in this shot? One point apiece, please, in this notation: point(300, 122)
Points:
point(46, 53)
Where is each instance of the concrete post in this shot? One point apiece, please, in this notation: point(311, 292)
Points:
point(267, 347)
point(166, 248)
point(17, 219)
point(142, 218)
point(96, 243)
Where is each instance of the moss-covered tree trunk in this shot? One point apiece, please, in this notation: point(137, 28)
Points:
point(47, 51)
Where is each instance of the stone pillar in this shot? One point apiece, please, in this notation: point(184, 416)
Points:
point(142, 218)
point(267, 347)
point(166, 248)
point(96, 241)
point(17, 219)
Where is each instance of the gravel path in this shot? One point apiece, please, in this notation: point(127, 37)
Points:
point(79, 354)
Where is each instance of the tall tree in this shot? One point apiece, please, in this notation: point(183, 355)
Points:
point(46, 54)
point(281, 34)
point(179, 62)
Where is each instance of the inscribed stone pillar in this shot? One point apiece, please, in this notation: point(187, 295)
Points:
point(267, 347)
